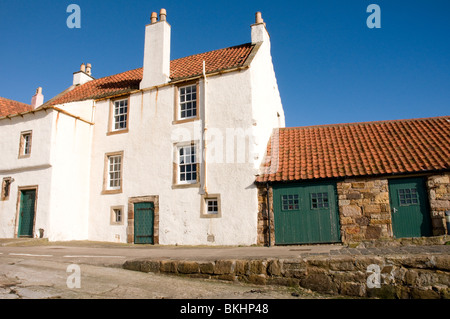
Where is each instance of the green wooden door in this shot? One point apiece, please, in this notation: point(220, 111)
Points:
point(306, 213)
point(409, 208)
point(143, 223)
point(26, 213)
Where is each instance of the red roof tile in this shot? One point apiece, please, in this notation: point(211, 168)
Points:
point(358, 149)
point(10, 107)
point(186, 67)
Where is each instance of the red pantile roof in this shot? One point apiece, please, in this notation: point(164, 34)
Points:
point(187, 67)
point(10, 107)
point(358, 149)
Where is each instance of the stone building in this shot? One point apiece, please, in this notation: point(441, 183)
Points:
point(354, 182)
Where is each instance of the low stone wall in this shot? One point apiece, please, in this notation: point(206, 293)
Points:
point(388, 277)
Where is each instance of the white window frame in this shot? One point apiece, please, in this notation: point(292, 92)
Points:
point(212, 206)
point(114, 173)
point(25, 144)
point(114, 168)
point(117, 107)
point(114, 215)
point(184, 98)
point(185, 161)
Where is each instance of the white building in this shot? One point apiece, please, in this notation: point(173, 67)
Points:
point(120, 158)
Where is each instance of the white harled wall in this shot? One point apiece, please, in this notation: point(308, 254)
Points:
point(34, 170)
point(68, 159)
point(237, 102)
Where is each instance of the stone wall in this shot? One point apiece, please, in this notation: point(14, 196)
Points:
point(263, 217)
point(438, 187)
point(364, 209)
point(389, 277)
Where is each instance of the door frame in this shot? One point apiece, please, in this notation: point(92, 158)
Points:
point(19, 195)
point(130, 226)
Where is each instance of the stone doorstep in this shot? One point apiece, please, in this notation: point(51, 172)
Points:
point(401, 276)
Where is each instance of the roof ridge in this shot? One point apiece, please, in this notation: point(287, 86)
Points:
point(367, 122)
point(206, 52)
point(185, 57)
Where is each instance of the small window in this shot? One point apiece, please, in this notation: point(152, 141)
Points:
point(117, 217)
point(188, 102)
point(319, 200)
point(408, 196)
point(120, 116)
point(6, 188)
point(187, 164)
point(25, 144)
point(290, 202)
point(211, 206)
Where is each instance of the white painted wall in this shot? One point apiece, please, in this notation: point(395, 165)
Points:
point(148, 152)
point(70, 157)
point(30, 171)
point(58, 165)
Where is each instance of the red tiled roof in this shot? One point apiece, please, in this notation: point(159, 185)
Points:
point(358, 149)
point(186, 67)
point(10, 107)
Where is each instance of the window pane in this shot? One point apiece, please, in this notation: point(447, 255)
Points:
point(290, 202)
point(188, 99)
point(408, 196)
point(319, 200)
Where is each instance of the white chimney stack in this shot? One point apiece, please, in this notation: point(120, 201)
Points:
point(37, 99)
point(84, 75)
point(156, 51)
point(259, 31)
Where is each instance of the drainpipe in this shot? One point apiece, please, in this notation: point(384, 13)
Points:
point(268, 212)
point(205, 129)
point(447, 220)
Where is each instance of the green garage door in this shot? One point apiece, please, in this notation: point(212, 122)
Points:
point(409, 208)
point(306, 213)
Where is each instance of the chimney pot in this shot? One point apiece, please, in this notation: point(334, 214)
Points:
point(258, 18)
point(162, 15)
point(88, 69)
point(83, 67)
point(154, 17)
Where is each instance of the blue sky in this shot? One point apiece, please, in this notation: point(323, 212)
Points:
point(330, 67)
